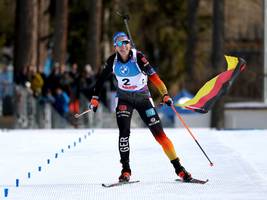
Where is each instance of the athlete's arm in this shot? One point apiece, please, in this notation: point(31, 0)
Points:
point(151, 73)
point(105, 74)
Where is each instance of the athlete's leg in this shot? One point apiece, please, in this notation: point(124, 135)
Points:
point(150, 116)
point(124, 114)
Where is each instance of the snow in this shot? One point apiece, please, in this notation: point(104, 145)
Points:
point(239, 170)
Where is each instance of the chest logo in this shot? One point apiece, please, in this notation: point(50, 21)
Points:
point(124, 70)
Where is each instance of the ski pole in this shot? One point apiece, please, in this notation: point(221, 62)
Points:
point(77, 115)
point(125, 19)
point(184, 124)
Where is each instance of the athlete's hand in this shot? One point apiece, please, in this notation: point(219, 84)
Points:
point(167, 100)
point(94, 103)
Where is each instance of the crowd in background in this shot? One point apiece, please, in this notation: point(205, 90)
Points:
point(63, 87)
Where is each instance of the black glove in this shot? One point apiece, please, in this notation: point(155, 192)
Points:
point(167, 99)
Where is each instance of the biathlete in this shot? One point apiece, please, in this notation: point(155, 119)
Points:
point(132, 72)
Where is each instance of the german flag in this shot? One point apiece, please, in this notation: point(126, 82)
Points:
point(215, 88)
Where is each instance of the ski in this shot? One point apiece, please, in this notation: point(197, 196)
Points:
point(118, 183)
point(194, 180)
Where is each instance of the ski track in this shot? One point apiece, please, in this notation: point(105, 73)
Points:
point(238, 171)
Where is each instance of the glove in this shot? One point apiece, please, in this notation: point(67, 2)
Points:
point(167, 99)
point(94, 103)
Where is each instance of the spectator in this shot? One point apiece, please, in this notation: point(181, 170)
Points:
point(6, 80)
point(87, 81)
point(6, 91)
point(36, 81)
point(74, 88)
point(53, 80)
point(65, 79)
point(61, 102)
point(21, 77)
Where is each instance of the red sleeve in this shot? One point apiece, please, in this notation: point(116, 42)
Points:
point(158, 83)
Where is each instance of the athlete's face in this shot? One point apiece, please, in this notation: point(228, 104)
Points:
point(123, 47)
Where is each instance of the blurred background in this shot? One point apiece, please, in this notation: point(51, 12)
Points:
point(51, 53)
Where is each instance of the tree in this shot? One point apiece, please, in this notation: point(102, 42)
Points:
point(7, 12)
point(217, 57)
point(43, 31)
point(190, 53)
point(94, 34)
point(159, 31)
point(60, 32)
point(26, 34)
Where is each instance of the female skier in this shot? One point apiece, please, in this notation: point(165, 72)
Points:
point(132, 72)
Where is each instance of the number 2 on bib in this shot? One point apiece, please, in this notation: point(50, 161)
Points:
point(126, 81)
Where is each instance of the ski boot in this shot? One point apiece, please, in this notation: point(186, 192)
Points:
point(184, 175)
point(180, 171)
point(125, 175)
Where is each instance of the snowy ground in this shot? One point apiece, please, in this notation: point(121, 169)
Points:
point(239, 170)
